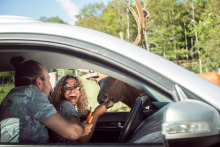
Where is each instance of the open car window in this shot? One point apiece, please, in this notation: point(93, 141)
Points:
point(91, 88)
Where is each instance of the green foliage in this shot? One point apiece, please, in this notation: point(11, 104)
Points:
point(5, 91)
point(2, 90)
point(52, 19)
point(62, 72)
point(177, 30)
point(110, 19)
point(118, 109)
point(6, 77)
point(91, 16)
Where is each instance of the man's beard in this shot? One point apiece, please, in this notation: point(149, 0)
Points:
point(46, 90)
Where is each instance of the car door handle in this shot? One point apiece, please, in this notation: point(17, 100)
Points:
point(120, 126)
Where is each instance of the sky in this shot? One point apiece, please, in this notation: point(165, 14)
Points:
point(64, 9)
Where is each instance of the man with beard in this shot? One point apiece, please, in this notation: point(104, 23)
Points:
point(25, 113)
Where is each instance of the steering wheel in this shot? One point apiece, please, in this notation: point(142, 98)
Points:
point(132, 121)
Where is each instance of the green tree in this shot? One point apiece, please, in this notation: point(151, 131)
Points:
point(91, 16)
point(110, 19)
point(52, 19)
point(183, 31)
point(6, 77)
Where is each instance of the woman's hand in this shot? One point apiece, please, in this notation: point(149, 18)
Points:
point(99, 110)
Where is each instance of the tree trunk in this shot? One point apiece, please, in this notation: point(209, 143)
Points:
point(3, 78)
point(76, 73)
point(192, 42)
point(128, 24)
point(147, 44)
point(119, 12)
point(187, 56)
point(191, 50)
point(200, 61)
point(53, 78)
point(200, 66)
point(63, 72)
point(164, 48)
point(13, 79)
point(145, 34)
point(174, 45)
point(164, 53)
point(197, 40)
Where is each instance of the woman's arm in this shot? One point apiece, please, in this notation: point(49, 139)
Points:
point(101, 109)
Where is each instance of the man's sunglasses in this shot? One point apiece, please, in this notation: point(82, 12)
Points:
point(69, 87)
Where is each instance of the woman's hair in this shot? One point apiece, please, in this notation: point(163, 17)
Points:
point(26, 72)
point(58, 96)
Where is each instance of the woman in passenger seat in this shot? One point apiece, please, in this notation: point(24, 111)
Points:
point(68, 95)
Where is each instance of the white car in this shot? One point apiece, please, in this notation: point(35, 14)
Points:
point(190, 119)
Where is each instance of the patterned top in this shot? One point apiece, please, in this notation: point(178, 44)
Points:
point(22, 112)
point(67, 110)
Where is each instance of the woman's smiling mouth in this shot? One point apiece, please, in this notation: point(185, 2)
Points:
point(72, 97)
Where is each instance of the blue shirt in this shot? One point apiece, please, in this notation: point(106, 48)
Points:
point(21, 114)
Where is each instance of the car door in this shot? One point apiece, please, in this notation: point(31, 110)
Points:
point(108, 127)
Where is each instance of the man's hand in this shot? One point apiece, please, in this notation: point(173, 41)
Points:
point(87, 128)
point(99, 110)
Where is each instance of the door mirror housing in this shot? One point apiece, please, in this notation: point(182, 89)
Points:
point(191, 123)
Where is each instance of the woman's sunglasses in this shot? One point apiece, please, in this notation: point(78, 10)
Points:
point(74, 86)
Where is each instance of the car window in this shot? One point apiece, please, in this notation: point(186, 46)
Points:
point(160, 97)
point(6, 83)
point(91, 89)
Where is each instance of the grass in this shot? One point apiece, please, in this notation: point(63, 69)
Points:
point(92, 91)
point(4, 91)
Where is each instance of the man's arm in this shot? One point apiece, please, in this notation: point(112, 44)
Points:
point(97, 112)
point(67, 129)
point(86, 138)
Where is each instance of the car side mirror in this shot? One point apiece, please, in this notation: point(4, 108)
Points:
point(191, 123)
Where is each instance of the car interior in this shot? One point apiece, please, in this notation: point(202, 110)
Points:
point(112, 127)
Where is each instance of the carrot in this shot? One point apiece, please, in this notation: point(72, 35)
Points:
point(90, 120)
point(89, 116)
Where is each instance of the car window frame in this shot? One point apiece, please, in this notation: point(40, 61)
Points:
point(90, 51)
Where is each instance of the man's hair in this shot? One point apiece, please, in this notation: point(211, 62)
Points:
point(26, 72)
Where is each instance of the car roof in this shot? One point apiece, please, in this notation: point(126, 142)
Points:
point(165, 68)
point(16, 19)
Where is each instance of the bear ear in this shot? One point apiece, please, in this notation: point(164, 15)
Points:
point(93, 79)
